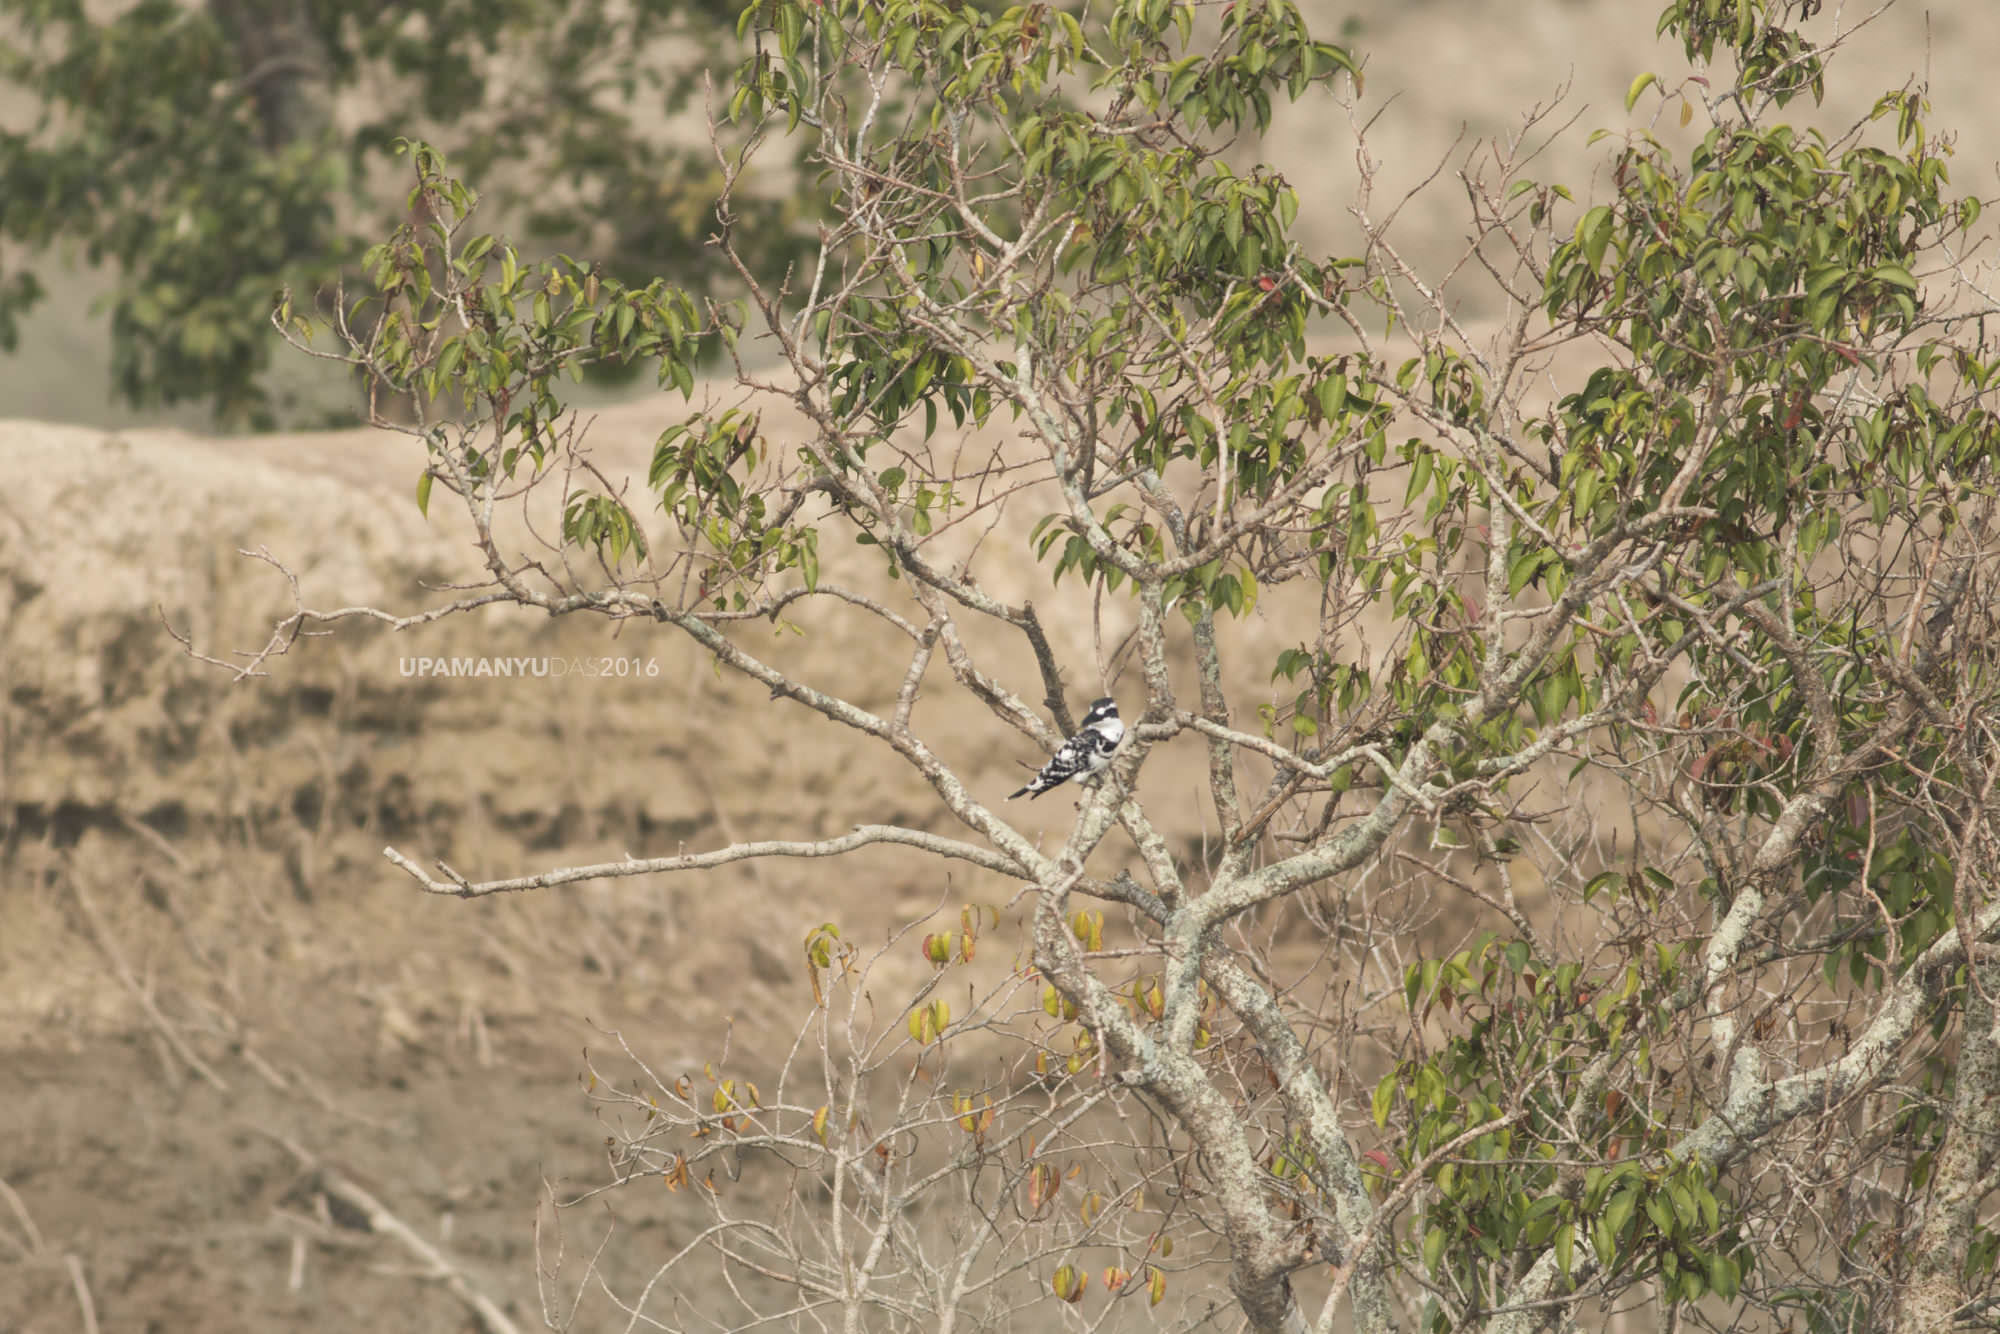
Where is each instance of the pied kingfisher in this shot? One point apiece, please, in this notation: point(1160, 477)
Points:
point(1084, 755)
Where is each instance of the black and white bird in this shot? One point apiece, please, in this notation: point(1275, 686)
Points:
point(1084, 755)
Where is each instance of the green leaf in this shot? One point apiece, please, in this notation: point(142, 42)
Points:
point(809, 560)
point(1895, 275)
point(1619, 1211)
point(1583, 491)
point(1603, 1242)
point(1593, 235)
point(1724, 1276)
point(424, 494)
point(1420, 476)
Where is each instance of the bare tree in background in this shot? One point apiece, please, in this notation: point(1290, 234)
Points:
point(1689, 704)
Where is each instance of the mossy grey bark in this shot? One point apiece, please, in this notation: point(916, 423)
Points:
point(1936, 1289)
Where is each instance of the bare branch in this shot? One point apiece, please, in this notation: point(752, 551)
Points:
point(862, 836)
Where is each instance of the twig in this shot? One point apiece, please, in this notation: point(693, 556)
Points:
point(436, 1265)
point(34, 1234)
point(109, 945)
point(862, 836)
point(75, 1265)
point(159, 842)
point(264, 1069)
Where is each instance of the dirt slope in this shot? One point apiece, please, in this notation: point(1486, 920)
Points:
point(205, 954)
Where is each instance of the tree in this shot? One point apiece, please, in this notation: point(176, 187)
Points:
point(214, 155)
point(1687, 700)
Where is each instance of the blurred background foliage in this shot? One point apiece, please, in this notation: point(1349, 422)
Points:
point(206, 156)
point(167, 166)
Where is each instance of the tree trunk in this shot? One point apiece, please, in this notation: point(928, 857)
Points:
point(283, 64)
point(1964, 1166)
